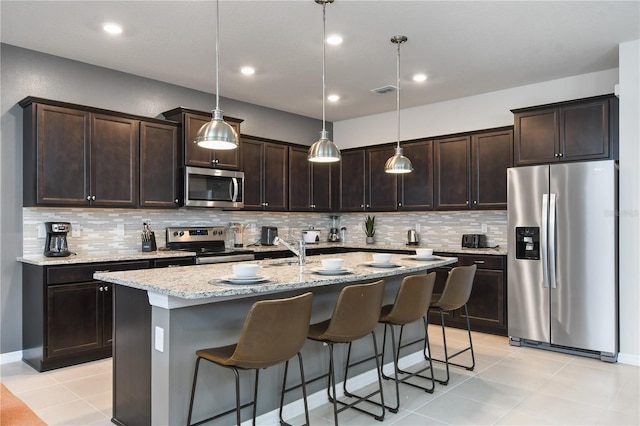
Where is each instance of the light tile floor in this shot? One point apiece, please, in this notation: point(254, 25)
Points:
point(509, 386)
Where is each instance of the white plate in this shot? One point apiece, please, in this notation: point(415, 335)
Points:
point(383, 265)
point(416, 257)
point(323, 271)
point(236, 280)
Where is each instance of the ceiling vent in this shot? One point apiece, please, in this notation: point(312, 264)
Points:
point(384, 89)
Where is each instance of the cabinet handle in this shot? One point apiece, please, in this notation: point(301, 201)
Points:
point(176, 201)
point(560, 154)
point(399, 204)
point(88, 197)
point(214, 161)
point(100, 288)
point(368, 206)
point(479, 262)
point(361, 206)
point(475, 202)
point(467, 202)
point(93, 198)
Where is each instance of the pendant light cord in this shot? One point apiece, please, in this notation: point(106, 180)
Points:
point(398, 94)
point(217, 54)
point(324, 87)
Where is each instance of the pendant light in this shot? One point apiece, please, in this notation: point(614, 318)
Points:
point(217, 134)
point(323, 150)
point(398, 163)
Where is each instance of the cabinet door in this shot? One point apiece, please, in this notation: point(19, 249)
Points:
point(193, 154)
point(352, 174)
point(62, 152)
point(227, 158)
point(73, 319)
point(415, 189)
point(382, 187)
point(114, 161)
point(106, 305)
point(252, 167)
point(491, 155)
point(322, 189)
point(584, 130)
point(536, 136)
point(486, 304)
point(275, 166)
point(299, 180)
point(159, 181)
point(453, 172)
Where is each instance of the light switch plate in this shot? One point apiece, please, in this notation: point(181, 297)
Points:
point(159, 345)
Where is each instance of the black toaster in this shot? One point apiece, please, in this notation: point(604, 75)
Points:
point(474, 240)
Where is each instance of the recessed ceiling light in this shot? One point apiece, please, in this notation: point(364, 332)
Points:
point(112, 28)
point(334, 39)
point(333, 98)
point(248, 70)
point(420, 77)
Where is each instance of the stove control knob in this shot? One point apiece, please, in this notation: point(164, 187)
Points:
point(175, 233)
point(181, 233)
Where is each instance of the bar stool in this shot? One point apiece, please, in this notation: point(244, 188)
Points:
point(273, 332)
point(411, 305)
point(455, 295)
point(355, 315)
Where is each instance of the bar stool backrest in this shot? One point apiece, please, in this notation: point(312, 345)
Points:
point(356, 312)
point(413, 299)
point(457, 289)
point(273, 331)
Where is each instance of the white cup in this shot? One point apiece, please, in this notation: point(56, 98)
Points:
point(246, 270)
point(424, 252)
point(332, 264)
point(382, 257)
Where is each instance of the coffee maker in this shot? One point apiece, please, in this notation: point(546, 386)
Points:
point(334, 231)
point(56, 242)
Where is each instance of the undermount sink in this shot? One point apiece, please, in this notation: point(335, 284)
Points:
point(286, 262)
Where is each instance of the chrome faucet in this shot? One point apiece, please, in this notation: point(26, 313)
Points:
point(301, 252)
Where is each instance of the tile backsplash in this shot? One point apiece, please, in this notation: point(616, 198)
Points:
point(96, 231)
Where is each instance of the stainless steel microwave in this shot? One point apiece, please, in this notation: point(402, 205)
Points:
point(213, 188)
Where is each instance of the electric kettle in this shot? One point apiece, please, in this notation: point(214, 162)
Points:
point(412, 237)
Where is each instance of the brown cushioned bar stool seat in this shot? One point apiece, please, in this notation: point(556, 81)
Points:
point(355, 316)
point(455, 295)
point(273, 332)
point(411, 305)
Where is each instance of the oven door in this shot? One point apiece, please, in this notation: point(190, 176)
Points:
point(213, 188)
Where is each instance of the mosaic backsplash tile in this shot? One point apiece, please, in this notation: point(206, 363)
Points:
point(96, 231)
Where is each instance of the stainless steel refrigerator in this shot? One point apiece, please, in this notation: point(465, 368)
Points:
point(562, 270)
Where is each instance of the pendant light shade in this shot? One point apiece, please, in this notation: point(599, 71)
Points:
point(217, 134)
point(398, 163)
point(323, 150)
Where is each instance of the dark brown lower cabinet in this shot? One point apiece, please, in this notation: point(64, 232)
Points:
point(67, 316)
point(487, 304)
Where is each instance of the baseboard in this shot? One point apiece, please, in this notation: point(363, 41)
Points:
point(631, 359)
point(10, 357)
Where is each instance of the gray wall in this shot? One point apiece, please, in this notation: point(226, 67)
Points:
point(28, 73)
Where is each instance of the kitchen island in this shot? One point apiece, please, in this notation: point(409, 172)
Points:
point(161, 317)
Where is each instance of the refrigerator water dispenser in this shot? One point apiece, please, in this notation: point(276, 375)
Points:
point(528, 242)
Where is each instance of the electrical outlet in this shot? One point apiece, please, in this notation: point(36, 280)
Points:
point(120, 229)
point(418, 228)
point(42, 231)
point(76, 231)
point(484, 228)
point(159, 340)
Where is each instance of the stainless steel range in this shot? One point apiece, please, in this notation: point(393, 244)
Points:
point(208, 242)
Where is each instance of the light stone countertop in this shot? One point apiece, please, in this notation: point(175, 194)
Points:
point(42, 260)
point(207, 281)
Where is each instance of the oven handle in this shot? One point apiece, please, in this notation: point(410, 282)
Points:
point(206, 260)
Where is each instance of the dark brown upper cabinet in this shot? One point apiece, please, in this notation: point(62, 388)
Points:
point(265, 165)
point(159, 166)
point(310, 186)
point(491, 156)
point(584, 129)
point(452, 173)
point(352, 180)
point(415, 189)
point(78, 157)
point(192, 121)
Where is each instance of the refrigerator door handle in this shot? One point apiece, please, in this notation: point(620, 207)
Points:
point(552, 240)
point(543, 240)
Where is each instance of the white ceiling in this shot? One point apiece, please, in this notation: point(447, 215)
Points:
point(465, 48)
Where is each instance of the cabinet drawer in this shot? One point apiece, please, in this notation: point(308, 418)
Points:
point(176, 261)
point(83, 273)
point(483, 262)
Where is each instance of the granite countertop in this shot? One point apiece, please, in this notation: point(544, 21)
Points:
point(208, 281)
point(41, 260)
point(79, 258)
